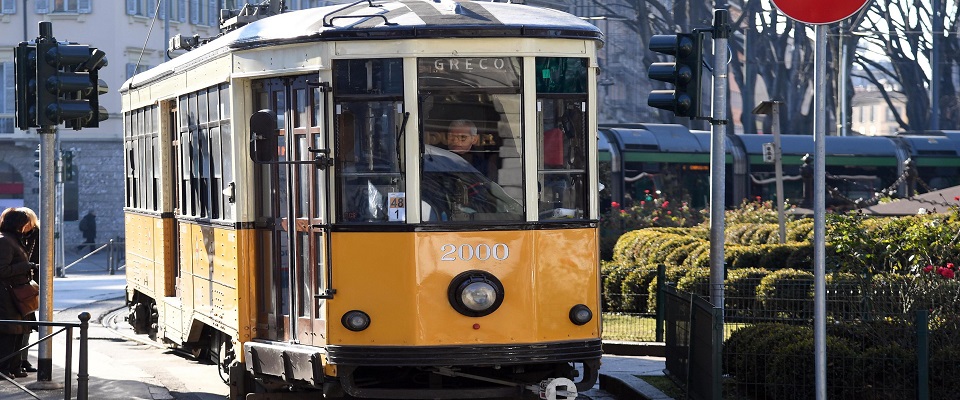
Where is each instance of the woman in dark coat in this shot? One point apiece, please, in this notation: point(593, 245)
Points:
point(15, 270)
point(30, 242)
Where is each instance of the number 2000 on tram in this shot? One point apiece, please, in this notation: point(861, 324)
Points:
point(384, 200)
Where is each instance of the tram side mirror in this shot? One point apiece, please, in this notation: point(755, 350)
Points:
point(263, 136)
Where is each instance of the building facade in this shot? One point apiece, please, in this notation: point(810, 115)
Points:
point(134, 35)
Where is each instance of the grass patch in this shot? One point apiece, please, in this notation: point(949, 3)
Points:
point(665, 385)
point(641, 328)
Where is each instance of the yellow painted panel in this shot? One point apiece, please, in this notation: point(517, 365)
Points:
point(567, 275)
point(374, 272)
point(247, 281)
point(401, 280)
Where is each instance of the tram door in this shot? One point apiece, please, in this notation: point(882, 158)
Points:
point(293, 209)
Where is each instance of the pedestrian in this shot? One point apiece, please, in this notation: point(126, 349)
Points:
point(88, 225)
point(31, 245)
point(15, 270)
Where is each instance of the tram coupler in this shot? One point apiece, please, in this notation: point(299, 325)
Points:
point(555, 389)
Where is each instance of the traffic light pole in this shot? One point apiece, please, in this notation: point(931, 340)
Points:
point(48, 217)
point(718, 122)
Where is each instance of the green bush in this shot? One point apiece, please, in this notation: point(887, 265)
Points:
point(612, 275)
point(673, 274)
point(633, 290)
point(741, 291)
point(944, 370)
point(845, 296)
point(696, 281)
point(800, 230)
point(801, 258)
point(787, 293)
point(793, 362)
point(746, 351)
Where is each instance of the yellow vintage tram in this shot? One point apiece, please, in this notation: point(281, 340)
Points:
point(383, 200)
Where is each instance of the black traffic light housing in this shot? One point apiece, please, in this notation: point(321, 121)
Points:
point(68, 83)
point(25, 71)
point(684, 73)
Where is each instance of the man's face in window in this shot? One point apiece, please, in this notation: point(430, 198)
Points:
point(460, 139)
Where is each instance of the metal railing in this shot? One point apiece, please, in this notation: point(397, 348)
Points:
point(83, 376)
point(115, 255)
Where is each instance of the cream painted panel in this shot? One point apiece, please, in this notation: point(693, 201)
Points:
point(281, 60)
point(446, 47)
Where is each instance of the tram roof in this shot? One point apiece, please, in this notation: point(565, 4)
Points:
point(403, 19)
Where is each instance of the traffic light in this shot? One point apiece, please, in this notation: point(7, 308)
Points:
point(769, 152)
point(684, 73)
point(36, 161)
point(66, 157)
point(68, 84)
point(25, 71)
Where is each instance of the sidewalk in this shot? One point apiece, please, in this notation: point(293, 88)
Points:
point(88, 287)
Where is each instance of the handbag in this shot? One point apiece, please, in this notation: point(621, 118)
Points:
point(26, 297)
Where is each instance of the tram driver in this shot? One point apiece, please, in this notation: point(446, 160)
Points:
point(457, 185)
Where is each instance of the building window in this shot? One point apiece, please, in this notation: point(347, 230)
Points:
point(144, 8)
point(133, 69)
point(7, 97)
point(8, 7)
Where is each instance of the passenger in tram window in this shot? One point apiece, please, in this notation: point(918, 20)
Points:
point(461, 137)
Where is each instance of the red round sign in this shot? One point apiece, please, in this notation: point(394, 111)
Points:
point(819, 11)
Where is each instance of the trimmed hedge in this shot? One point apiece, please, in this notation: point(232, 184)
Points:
point(787, 294)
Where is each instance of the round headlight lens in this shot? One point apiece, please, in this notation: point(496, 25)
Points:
point(355, 320)
point(478, 296)
point(580, 314)
point(475, 293)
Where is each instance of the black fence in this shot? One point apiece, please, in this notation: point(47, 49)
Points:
point(693, 339)
point(66, 328)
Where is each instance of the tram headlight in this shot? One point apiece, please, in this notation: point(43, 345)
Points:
point(475, 293)
point(355, 320)
point(580, 314)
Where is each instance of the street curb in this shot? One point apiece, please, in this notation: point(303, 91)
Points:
point(622, 348)
point(627, 386)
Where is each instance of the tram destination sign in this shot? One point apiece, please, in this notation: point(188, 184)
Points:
point(817, 12)
point(472, 72)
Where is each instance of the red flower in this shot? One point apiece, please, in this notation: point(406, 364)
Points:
point(951, 266)
point(614, 204)
point(642, 202)
point(957, 198)
point(623, 212)
point(665, 204)
point(668, 212)
point(928, 268)
point(646, 191)
point(948, 273)
point(758, 199)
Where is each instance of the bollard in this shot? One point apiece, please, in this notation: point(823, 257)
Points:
point(83, 376)
point(110, 266)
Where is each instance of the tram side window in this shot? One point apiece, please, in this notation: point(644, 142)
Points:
point(471, 124)
point(368, 96)
point(561, 138)
point(205, 154)
point(141, 134)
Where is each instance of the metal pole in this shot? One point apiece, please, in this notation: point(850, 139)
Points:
point(819, 211)
point(842, 83)
point(778, 169)
point(935, 64)
point(718, 155)
point(166, 28)
point(48, 215)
